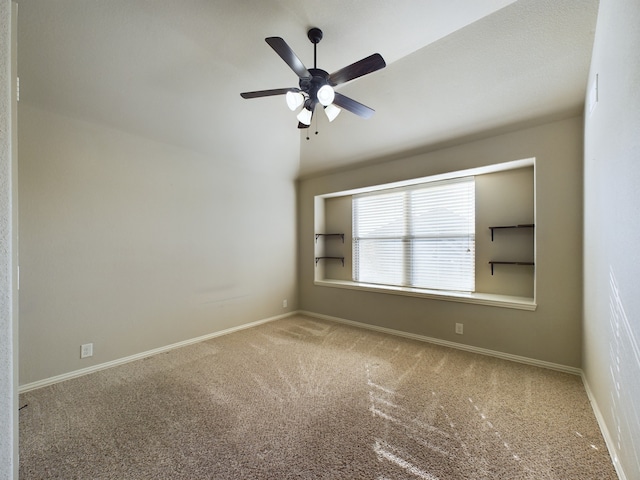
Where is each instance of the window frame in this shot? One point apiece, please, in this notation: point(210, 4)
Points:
point(403, 219)
point(526, 303)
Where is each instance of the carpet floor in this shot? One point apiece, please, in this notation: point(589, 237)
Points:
point(305, 398)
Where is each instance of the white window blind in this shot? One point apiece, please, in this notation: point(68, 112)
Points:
point(421, 236)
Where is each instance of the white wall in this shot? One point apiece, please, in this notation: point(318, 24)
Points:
point(133, 245)
point(553, 332)
point(612, 232)
point(8, 251)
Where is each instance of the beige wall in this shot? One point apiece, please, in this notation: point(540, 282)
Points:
point(134, 245)
point(502, 198)
point(338, 219)
point(505, 198)
point(8, 247)
point(553, 332)
point(612, 232)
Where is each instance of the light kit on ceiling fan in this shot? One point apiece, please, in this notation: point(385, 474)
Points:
point(316, 86)
point(326, 95)
point(294, 100)
point(331, 111)
point(304, 116)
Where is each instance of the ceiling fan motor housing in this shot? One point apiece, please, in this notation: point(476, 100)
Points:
point(310, 85)
point(315, 35)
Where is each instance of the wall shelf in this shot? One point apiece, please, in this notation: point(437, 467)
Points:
point(523, 225)
point(492, 263)
point(504, 227)
point(318, 235)
point(329, 258)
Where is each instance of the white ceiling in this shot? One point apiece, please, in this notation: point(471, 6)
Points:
point(172, 70)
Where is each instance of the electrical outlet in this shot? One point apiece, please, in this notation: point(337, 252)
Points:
point(459, 328)
point(285, 304)
point(86, 350)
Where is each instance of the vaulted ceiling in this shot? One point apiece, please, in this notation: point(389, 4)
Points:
point(172, 70)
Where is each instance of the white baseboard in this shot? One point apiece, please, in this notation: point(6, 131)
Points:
point(95, 368)
point(482, 351)
point(608, 439)
point(446, 343)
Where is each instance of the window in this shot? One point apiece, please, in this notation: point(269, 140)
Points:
point(422, 236)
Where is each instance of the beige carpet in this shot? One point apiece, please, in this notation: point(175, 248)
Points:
point(303, 398)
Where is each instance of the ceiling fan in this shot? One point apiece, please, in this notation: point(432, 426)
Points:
point(316, 85)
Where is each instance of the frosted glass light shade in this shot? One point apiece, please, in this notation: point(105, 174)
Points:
point(331, 111)
point(326, 95)
point(304, 116)
point(294, 100)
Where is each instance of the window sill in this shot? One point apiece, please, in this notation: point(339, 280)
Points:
point(494, 300)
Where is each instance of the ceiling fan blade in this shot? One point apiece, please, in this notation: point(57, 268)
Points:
point(353, 106)
point(285, 52)
point(268, 93)
point(362, 67)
